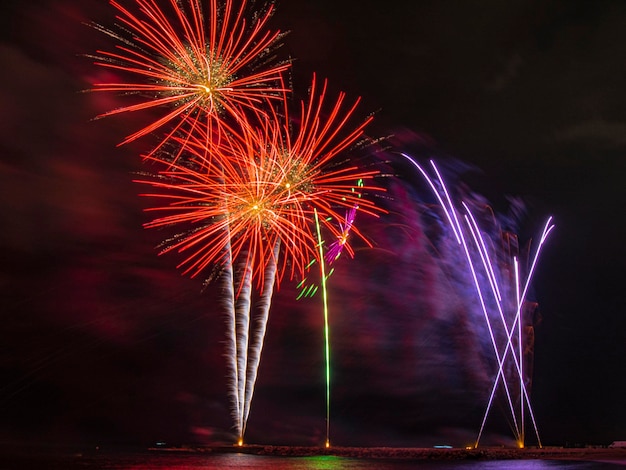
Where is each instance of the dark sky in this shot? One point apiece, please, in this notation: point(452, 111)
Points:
point(102, 341)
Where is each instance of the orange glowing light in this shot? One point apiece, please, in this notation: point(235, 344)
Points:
point(262, 191)
point(204, 69)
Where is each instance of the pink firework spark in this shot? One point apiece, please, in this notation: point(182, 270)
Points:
point(335, 249)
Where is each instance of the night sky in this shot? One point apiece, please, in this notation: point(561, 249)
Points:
point(104, 342)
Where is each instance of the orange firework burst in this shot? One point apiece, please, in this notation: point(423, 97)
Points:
point(264, 191)
point(208, 73)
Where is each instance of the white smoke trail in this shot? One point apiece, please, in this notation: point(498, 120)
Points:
point(228, 301)
point(242, 314)
point(257, 331)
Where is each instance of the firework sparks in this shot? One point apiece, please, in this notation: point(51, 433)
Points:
point(309, 288)
point(204, 69)
point(265, 189)
point(333, 253)
point(336, 247)
point(492, 295)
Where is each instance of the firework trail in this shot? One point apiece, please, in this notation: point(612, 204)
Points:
point(308, 290)
point(520, 299)
point(232, 346)
point(242, 337)
point(326, 327)
point(492, 295)
point(206, 70)
point(245, 336)
point(259, 334)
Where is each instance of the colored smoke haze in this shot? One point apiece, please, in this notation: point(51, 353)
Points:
point(409, 338)
point(493, 262)
point(81, 267)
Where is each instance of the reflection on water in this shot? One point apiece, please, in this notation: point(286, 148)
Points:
point(525, 465)
point(328, 462)
point(207, 461)
point(240, 461)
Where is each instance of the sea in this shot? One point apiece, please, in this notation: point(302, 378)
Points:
point(211, 461)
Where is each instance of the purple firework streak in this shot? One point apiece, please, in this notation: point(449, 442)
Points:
point(332, 254)
point(493, 295)
point(335, 248)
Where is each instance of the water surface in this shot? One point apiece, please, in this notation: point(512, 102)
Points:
point(209, 461)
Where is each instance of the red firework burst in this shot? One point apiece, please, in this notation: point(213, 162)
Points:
point(264, 190)
point(205, 70)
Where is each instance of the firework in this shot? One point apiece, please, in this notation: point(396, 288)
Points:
point(202, 69)
point(245, 185)
point(238, 216)
point(495, 295)
point(265, 190)
point(326, 327)
point(336, 247)
point(252, 212)
point(333, 252)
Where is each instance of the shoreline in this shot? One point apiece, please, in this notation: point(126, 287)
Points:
point(416, 453)
point(75, 454)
